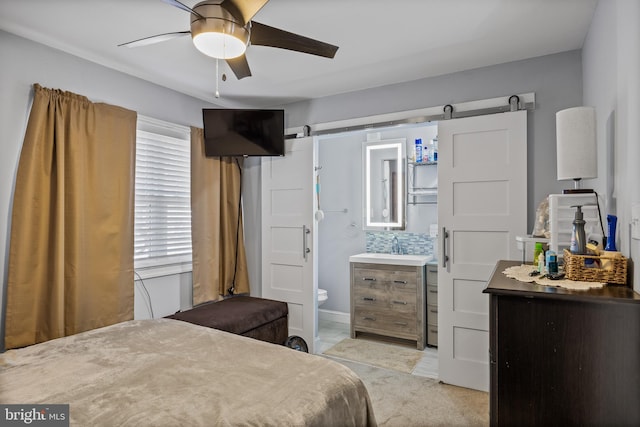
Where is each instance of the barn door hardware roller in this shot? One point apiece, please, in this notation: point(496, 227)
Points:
point(448, 111)
point(514, 103)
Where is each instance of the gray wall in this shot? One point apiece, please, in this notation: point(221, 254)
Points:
point(611, 67)
point(24, 63)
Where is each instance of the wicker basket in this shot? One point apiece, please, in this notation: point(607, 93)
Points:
point(575, 269)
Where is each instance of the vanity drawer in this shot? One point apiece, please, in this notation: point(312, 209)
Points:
point(432, 294)
point(432, 315)
point(384, 297)
point(392, 306)
point(432, 274)
point(432, 335)
point(372, 320)
point(381, 279)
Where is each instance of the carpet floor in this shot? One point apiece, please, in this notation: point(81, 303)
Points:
point(377, 354)
point(404, 400)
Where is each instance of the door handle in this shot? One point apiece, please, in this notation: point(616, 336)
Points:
point(443, 247)
point(305, 244)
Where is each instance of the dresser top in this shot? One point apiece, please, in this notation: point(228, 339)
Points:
point(499, 284)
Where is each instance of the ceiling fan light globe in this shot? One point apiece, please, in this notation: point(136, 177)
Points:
point(219, 45)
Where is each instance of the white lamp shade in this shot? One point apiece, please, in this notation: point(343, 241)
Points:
point(576, 146)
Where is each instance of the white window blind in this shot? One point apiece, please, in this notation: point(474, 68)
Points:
point(162, 194)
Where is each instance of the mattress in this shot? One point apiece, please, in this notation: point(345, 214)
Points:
point(166, 372)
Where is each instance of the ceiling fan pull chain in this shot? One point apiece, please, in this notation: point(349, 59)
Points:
point(217, 80)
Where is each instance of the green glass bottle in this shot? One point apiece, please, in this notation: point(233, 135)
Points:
point(536, 252)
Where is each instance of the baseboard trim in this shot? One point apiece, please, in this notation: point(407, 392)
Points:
point(334, 316)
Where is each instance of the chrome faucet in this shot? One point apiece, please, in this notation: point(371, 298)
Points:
point(395, 245)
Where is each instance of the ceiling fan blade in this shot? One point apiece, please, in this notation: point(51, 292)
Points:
point(155, 39)
point(264, 35)
point(239, 66)
point(243, 10)
point(179, 5)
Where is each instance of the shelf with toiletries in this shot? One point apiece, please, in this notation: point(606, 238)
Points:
point(422, 173)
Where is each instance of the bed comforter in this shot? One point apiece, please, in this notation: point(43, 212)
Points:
point(167, 373)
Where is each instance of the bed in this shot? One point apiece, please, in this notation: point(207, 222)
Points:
point(167, 372)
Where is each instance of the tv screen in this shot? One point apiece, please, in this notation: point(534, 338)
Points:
point(232, 132)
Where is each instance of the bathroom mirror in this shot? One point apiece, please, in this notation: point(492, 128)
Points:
point(384, 184)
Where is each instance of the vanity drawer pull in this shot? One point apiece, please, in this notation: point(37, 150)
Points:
point(399, 302)
point(369, 318)
point(368, 298)
point(434, 311)
point(401, 323)
point(369, 279)
point(433, 331)
point(433, 292)
point(400, 282)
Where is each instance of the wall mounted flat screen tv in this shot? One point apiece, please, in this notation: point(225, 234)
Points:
point(233, 132)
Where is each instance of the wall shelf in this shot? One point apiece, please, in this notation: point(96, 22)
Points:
point(422, 187)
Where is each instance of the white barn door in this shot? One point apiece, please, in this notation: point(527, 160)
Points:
point(288, 235)
point(482, 206)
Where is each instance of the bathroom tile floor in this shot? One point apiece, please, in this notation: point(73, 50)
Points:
point(331, 333)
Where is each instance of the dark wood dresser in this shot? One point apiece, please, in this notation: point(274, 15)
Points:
point(560, 357)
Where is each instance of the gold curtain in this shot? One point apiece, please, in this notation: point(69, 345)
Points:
point(219, 260)
point(71, 250)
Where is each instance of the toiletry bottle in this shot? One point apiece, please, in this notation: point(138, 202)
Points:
point(427, 155)
point(541, 263)
point(537, 251)
point(578, 243)
point(418, 150)
point(552, 262)
point(612, 220)
point(435, 149)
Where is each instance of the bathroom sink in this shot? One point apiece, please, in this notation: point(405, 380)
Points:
point(377, 258)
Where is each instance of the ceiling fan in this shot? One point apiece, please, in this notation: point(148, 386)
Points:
point(223, 29)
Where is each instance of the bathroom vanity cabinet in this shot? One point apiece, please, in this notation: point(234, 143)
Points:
point(389, 300)
point(432, 305)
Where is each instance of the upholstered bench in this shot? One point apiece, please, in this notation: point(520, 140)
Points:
point(258, 318)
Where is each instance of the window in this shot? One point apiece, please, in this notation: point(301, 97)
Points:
point(162, 195)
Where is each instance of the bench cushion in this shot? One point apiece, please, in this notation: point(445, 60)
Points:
point(258, 318)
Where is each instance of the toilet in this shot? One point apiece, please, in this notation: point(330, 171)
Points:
point(322, 296)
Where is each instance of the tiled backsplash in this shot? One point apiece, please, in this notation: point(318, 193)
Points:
point(410, 243)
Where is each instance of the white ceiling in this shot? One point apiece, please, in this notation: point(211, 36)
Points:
point(381, 42)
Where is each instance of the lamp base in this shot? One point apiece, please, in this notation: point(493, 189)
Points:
point(577, 191)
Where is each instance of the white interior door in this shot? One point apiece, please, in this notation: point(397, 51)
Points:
point(482, 206)
point(288, 235)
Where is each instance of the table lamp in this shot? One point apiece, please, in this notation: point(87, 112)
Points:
point(576, 147)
